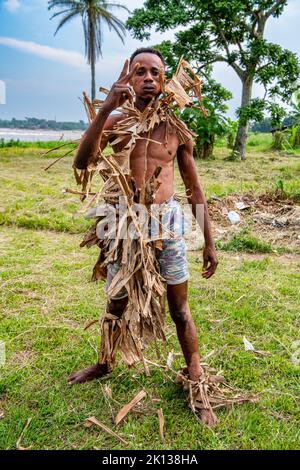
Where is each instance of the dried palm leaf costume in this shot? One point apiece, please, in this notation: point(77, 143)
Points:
point(143, 318)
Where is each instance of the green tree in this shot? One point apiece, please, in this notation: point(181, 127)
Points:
point(93, 14)
point(231, 32)
point(215, 124)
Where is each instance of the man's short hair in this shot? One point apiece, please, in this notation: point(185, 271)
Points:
point(148, 50)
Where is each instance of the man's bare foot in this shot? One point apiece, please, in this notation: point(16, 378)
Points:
point(208, 418)
point(94, 372)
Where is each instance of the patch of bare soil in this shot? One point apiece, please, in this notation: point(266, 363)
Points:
point(21, 358)
point(270, 217)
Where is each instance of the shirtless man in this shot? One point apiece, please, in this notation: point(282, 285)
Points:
point(144, 78)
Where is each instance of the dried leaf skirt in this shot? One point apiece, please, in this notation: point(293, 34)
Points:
point(143, 319)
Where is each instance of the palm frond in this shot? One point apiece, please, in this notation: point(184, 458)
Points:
point(99, 38)
point(118, 23)
point(63, 3)
point(120, 30)
point(85, 33)
point(59, 13)
point(112, 22)
point(65, 20)
point(116, 5)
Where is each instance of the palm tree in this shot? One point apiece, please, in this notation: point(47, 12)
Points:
point(93, 13)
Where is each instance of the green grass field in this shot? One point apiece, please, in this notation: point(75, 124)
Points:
point(47, 299)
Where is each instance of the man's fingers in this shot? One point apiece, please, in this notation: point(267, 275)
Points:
point(124, 71)
point(209, 271)
point(132, 72)
point(210, 263)
point(125, 76)
point(126, 91)
point(209, 267)
point(121, 86)
point(205, 267)
point(206, 272)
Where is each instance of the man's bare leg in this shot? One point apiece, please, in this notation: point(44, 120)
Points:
point(187, 335)
point(115, 307)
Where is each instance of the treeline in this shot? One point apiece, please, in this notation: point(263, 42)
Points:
point(34, 123)
point(266, 126)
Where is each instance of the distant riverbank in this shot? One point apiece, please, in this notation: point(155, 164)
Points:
point(44, 135)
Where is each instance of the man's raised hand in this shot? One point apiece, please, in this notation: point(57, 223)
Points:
point(121, 90)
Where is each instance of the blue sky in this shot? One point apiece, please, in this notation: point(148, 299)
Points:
point(46, 74)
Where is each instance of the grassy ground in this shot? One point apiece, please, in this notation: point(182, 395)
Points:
point(46, 299)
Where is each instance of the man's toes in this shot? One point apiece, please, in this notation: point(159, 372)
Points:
point(71, 377)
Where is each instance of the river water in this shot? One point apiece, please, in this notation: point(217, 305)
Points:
point(36, 135)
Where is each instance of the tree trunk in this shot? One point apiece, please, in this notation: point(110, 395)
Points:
point(242, 132)
point(208, 147)
point(93, 79)
point(92, 56)
point(204, 150)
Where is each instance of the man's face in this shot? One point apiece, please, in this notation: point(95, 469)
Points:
point(146, 81)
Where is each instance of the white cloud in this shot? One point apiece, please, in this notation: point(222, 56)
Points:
point(12, 5)
point(58, 55)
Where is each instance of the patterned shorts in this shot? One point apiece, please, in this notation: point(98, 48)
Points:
point(172, 258)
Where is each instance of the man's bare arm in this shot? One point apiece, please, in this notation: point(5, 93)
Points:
point(188, 171)
point(92, 139)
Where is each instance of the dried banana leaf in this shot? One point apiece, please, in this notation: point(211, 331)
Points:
point(211, 392)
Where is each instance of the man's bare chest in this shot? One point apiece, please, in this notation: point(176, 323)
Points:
point(157, 147)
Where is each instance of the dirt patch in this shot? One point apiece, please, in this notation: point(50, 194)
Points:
point(270, 217)
point(22, 358)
